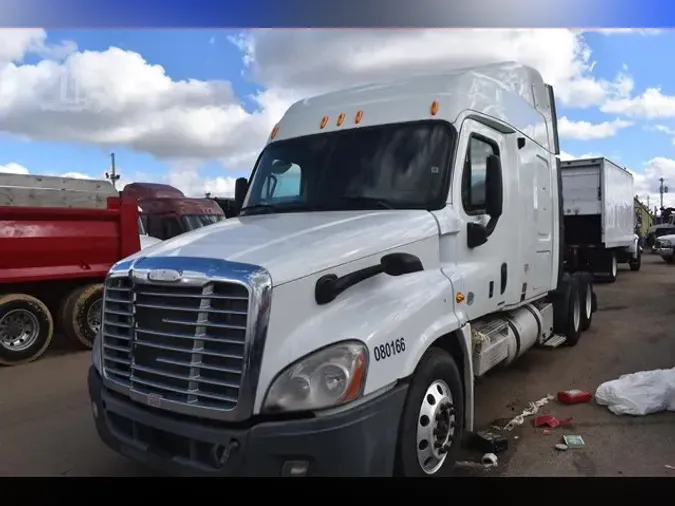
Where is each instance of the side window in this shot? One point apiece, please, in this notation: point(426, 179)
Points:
point(473, 176)
point(170, 228)
point(284, 185)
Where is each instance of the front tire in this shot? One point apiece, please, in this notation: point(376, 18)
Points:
point(432, 422)
point(26, 329)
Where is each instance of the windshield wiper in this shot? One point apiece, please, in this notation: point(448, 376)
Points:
point(371, 201)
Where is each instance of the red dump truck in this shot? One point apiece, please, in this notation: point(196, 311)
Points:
point(58, 238)
point(166, 212)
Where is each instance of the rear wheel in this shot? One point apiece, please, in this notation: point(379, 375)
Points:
point(613, 267)
point(636, 262)
point(586, 302)
point(432, 423)
point(26, 329)
point(81, 315)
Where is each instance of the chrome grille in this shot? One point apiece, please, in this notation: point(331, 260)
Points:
point(184, 344)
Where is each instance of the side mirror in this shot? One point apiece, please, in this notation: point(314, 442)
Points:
point(476, 235)
point(493, 187)
point(397, 264)
point(240, 189)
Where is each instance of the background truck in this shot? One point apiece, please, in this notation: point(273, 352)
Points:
point(58, 239)
point(166, 212)
point(395, 242)
point(599, 217)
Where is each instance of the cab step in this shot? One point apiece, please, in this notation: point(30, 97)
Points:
point(555, 341)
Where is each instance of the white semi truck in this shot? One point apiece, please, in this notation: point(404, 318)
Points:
point(394, 242)
point(599, 217)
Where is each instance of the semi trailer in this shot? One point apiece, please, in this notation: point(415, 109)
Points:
point(599, 217)
point(394, 243)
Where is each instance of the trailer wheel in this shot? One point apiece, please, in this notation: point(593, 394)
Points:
point(636, 263)
point(613, 267)
point(574, 312)
point(26, 329)
point(586, 297)
point(430, 433)
point(81, 315)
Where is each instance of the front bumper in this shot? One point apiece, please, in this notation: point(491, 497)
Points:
point(360, 441)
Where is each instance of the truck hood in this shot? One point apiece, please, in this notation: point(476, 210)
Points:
point(294, 245)
point(668, 237)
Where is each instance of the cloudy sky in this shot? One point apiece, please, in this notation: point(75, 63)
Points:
point(192, 108)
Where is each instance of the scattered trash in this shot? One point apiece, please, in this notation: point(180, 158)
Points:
point(672, 468)
point(550, 421)
point(489, 442)
point(533, 409)
point(640, 393)
point(561, 447)
point(547, 432)
point(574, 396)
point(574, 441)
point(489, 460)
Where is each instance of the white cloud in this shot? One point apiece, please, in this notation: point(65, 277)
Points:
point(629, 31)
point(311, 61)
point(652, 103)
point(584, 130)
point(13, 168)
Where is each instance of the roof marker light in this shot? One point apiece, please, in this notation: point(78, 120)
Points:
point(275, 130)
point(340, 119)
point(358, 117)
point(434, 107)
point(324, 121)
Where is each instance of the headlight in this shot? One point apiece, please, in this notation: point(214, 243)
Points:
point(329, 377)
point(96, 352)
point(665, 244)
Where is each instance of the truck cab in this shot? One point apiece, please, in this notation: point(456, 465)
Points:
point(166, 212)
point(395, 241)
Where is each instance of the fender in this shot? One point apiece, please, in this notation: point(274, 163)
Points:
point(400, 315)
point(423, 308)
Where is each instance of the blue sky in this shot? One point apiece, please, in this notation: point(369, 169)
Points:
point(192, 107)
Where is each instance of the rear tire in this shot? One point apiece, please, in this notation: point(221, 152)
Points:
point(574, 311)
point(81, 315)
point(636, 263)
point(26, 329)
point(613, 267)
point(432, 423)
point(586, 296)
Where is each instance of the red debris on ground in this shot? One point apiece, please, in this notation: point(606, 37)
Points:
point(550, 421)
point(574, 396)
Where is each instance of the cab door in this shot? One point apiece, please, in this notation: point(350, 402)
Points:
point(487, 269)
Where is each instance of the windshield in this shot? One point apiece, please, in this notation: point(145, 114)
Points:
point(400, 166)
point(193, 221)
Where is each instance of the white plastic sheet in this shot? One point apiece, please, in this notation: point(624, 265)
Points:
point(640, 393)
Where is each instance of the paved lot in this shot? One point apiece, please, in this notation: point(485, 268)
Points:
point(46, 427)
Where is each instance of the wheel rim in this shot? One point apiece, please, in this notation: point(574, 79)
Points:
point(576, 313)
point(589, 302)
point(19, 329)
point(435, 427)
point(614, 267)
point(94, 316)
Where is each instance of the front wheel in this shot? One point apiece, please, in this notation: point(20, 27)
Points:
point(433, 418)
point(586, 303)
point(613, 267)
